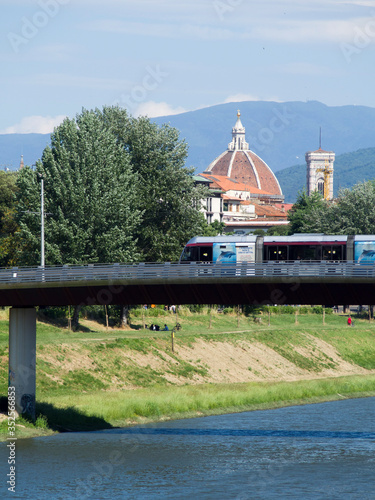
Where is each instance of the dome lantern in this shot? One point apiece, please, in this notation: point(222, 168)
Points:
point(238, 136)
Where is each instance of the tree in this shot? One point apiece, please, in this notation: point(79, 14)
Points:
point(90, 197)
point(307, 213)
point(259, 232)
point(7, 222)
point(169, 200)
point(278, 231)
point(7, 191)
point(214, 229)
point(353, 212)
point(116, 190)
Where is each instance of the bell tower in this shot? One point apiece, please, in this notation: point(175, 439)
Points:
point(320, 172)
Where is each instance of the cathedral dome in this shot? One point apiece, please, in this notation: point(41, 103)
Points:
point(241, 164)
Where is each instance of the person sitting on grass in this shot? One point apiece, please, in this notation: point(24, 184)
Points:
point(165, 329)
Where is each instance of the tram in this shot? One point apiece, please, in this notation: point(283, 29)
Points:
point(359, 249)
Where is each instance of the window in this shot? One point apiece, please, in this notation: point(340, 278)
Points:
point(205, 254)
point(196, 254)
point(321, 186)
point(276, 252)
point(333, 252)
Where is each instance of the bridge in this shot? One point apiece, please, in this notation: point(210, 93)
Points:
point(272, 282)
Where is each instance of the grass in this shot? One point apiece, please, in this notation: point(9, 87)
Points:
point(62, 380)
point(117, 408)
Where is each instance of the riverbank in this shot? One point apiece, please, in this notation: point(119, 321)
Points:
point(100, 378)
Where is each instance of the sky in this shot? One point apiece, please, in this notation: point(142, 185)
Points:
point(163, 57)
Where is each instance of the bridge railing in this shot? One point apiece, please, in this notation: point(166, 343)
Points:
point(172, 270)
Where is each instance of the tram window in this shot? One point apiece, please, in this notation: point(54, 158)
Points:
point(190, 254)
point(205, 254)
point(304, 252)
point(333, 252)
point(277, 252)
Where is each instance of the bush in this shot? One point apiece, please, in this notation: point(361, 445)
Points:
point(55, 312)
point(304, 310)
point(228, 310)
point(288, 310)
point(196, 308)
point(154, 312)
point(252, 310)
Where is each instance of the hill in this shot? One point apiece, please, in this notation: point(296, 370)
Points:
point(349, 168)
point(280, 133)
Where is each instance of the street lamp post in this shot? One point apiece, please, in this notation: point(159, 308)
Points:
point(42, 262)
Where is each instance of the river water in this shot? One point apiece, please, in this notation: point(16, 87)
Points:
point(321, 451)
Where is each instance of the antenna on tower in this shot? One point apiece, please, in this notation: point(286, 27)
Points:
point(320, 137)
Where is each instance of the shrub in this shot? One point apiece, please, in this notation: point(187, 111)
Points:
point(304, 310)
point(228, 310)
point(252, 310)
point(54, 312)
point(196, 308)
point(288, 310)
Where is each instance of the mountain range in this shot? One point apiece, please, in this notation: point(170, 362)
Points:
point(280, 133)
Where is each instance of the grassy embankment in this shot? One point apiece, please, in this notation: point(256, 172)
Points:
point(97, 379)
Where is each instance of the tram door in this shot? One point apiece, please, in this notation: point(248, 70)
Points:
point(276, 252)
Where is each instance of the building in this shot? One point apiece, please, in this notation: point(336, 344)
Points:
point(244, 192)
point(320, 172)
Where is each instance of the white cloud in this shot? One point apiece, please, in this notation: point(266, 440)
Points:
point(158, 30)
point(34, 125)
point(241, 97)
point(249, 97)
point(317, 31)
point(153, 109)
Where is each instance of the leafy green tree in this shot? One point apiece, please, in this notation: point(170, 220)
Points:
point(90, 197)
point(168, 198)
point(7, 222)
point(259, 232)
point(352, 212)
point(278, 231)
point(116, 190)
point(214, 229)
point(7, 191)
point(307, 213)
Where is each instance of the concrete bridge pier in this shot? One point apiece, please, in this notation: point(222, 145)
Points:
point(22, 358)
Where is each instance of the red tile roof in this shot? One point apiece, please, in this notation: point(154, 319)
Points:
point(245, 167)
point(227, 183)
point(270, 211)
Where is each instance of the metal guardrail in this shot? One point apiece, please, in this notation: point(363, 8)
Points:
point(172, 270)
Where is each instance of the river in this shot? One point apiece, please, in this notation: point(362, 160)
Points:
point(321, 451)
